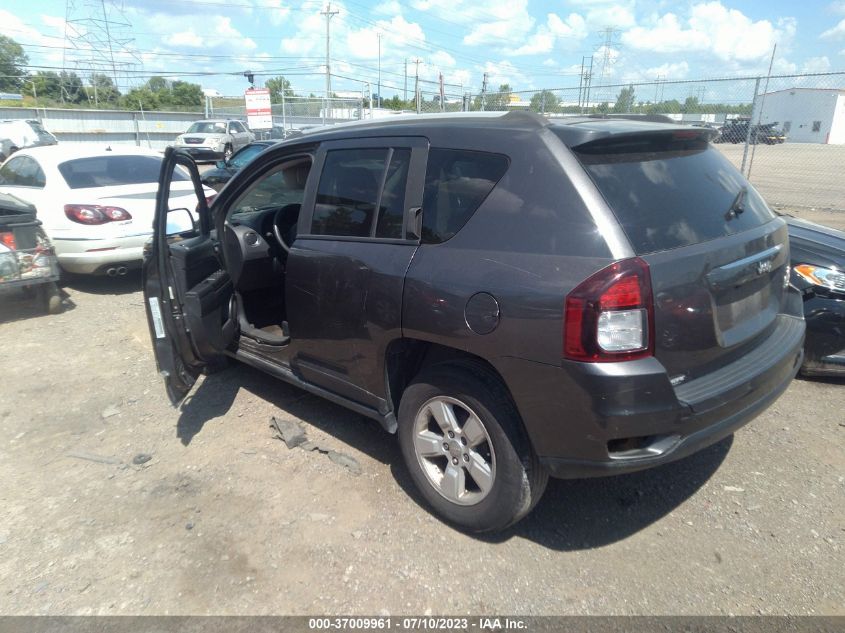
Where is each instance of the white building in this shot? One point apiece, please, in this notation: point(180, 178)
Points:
point(806, 115)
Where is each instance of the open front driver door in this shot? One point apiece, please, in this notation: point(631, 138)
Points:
point(187, 292)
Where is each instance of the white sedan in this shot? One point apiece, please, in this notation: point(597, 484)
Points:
point(96, 203)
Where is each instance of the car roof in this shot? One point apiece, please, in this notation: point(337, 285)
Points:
point(573, 130)
point(52, 155)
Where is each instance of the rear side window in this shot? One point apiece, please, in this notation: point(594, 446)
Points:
point(362, 193)
point(108, 171)
point(22, 171)
point(669, 191)
point(456, 183)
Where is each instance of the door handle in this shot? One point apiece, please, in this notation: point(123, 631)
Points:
point(415, 223)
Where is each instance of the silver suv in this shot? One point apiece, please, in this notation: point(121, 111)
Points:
point(213, 139)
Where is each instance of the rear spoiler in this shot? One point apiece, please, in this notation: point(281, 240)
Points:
point(590, 133)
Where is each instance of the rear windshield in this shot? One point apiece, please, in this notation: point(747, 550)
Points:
point(669, 192)
point(109, 171)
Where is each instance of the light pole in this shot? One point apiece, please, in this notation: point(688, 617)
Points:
point(379, 71)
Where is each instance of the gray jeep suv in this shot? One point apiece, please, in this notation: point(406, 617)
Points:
point(515, 297)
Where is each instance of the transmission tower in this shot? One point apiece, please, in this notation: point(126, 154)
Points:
point(98, 41)
point(607, 46)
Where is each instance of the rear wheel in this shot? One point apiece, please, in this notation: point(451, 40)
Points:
point(466, 450)
point(51, 298)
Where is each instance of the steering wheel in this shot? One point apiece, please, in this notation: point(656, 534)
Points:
point(278, 217)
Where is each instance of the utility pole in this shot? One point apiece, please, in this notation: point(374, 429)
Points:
point(483, 91)
point(328, 13)
point(379, 72)
point(405, 96)
point(417, 85)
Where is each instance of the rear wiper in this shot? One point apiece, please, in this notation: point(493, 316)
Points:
point(738, 205)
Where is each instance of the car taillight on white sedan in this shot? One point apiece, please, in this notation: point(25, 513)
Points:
point(95, 213)
point(610, 315)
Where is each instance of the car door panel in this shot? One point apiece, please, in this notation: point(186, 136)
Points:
point(344, 294)
point(188, 294)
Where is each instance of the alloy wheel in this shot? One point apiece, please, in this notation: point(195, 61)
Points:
point(454, 450)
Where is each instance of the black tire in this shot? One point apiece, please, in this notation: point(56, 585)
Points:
point(52, 298)
point(518, 478)
point(227, 152)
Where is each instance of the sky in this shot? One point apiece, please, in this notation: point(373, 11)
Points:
point(528, 44)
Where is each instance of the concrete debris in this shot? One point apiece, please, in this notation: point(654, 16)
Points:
point(288, 431)
point(141, 458)
point(293, 435)
point(110, 411)
point(346, 461)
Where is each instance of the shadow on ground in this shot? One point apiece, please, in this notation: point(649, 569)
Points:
point(573, 514)
point(103, 284)
point(18, 305)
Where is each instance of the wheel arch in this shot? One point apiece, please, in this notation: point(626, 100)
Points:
point(406, 357)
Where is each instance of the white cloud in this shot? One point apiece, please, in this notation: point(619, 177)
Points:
point(573, 26)
point(816, 65)
point(711, 28)
point(215, 32)
point(669, 70)
point(835, 32)
point(442, 59)
point(539, 43)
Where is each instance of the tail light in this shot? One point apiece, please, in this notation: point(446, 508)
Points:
point(95, 214)
point(610, 315)
point(8, 239)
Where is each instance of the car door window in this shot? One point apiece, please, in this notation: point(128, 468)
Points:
point(456, 183)
point(281, 186)
point(362, 193)
point(348, 192)
point(22, 171)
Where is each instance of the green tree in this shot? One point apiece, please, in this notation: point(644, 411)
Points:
point(691, 104)
point(12, 62)
point(102, 89)
point(183, 94)
point(72, 88)
point(625, 100)
point(157, 84)
point(544, 101)
point(141, 99)
point(277, 86)
point(46, 85)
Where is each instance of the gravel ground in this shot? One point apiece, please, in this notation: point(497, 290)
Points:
point(222, 518)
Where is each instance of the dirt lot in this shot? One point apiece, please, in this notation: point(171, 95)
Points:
point(225, 519)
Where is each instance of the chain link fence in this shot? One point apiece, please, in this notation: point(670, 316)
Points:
point(786, 133)
point(294, 113)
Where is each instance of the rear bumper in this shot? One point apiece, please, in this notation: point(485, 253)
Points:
point(201, 153)
point(85, 256)
point(611, 418)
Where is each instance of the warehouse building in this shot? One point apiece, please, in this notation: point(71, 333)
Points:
point(806, 115)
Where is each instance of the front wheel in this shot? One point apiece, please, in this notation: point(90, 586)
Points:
point(227, 152)
point(466, 450)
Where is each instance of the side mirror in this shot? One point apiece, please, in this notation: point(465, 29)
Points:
point(221, 164)
point(180, 221)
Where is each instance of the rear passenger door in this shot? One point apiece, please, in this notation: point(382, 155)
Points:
point(346, 269)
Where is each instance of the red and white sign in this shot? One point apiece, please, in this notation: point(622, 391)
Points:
point(259, 113)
